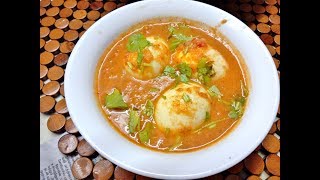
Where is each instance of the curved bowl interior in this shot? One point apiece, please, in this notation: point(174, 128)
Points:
point(82, 104)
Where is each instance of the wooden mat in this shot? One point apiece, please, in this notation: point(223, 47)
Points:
point(63, 22)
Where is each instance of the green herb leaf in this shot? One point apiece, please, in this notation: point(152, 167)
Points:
point(184, 78)
point(149, 108)
point(164, 97)
point(134, 121)
point(182, 38)
point(154, 89)
point(144, 135)
point(178, 39)
point(115, 100)
point(236, 108)
point(212, 126)
point(207, 115)
point(186, 97)
point(139, 58)
point(215, 92)
point(171, 29)
point(184, 68)
point(137, 42)
point(244, 89)
point(169, 71)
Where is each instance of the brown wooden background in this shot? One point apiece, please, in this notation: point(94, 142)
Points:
point(63, 22)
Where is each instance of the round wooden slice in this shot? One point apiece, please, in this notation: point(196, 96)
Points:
point(262, 18)
point(103, 170)
point(248, 17)
point(273, 178)
point(273, 164)
point(70, 127)
point(272, 9)
point(42, 11)
point(62, 89)
point(93, 15)
point(276, 62)
point(44, 3)
point(44, 31)
point(277, 39)
point(259, 9)
point(254, 164)
point(46, 58)
point(55, 73)
point(273, 128)
point(258, 1)
point(56, 122)
point(253, 177)
point(88, 24)
point(215, 177)
point(42, 43)
point(278, 50)
point(66, 47)
point(48, 21)
point(56, 34)
point(236, 168)
point(120, 5)
point(274, 19)
point(57, 2)
point(245, 7)
point(46, 104)
point(85, 149)
point(70, 4)
point(271, 49)
point(81, 168)
point(263, 28)
point(233, 177)
point(65, 12)
point(75, 24)
point(51, 88)
point(139, 177)
point(61, 59)
point(62, 23)
point(275, 28)
point(96, 5)
point(278, 124)
point(53, 11)
point(83, 5)
point(252, 26)
point(52, 45)
point(71, 35)
point(271, 144)
point(121, 174)
point(109, 6)
point(67, 143)
point(271, 2)
point(80, 14)
point(266, 38)
point(43, 71)
point(61, 107)
point(41, 84)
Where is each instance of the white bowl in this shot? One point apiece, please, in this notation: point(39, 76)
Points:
point(255, 124)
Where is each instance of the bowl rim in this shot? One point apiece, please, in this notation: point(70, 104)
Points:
point(137, 171)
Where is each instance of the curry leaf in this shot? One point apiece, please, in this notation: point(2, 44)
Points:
point(134, 121)
point(115, 100)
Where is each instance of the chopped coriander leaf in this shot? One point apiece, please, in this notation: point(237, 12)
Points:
point(134, 121)
point(169, 71)
point(184, 68)
point(115, 100)
point(205, 71)
point(215, 92)
point(212, 126)
point(236, 108)
point(154, 89)
point(144, 135)
point(164, 97)
point(184, 78)
point(171, 29)
point(136, 43)
point(182, 38)
point(186, 97)
point(207, 115)
point(178, 39)
point(149, 108)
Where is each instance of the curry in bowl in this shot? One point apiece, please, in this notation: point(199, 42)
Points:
point(172, 85)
